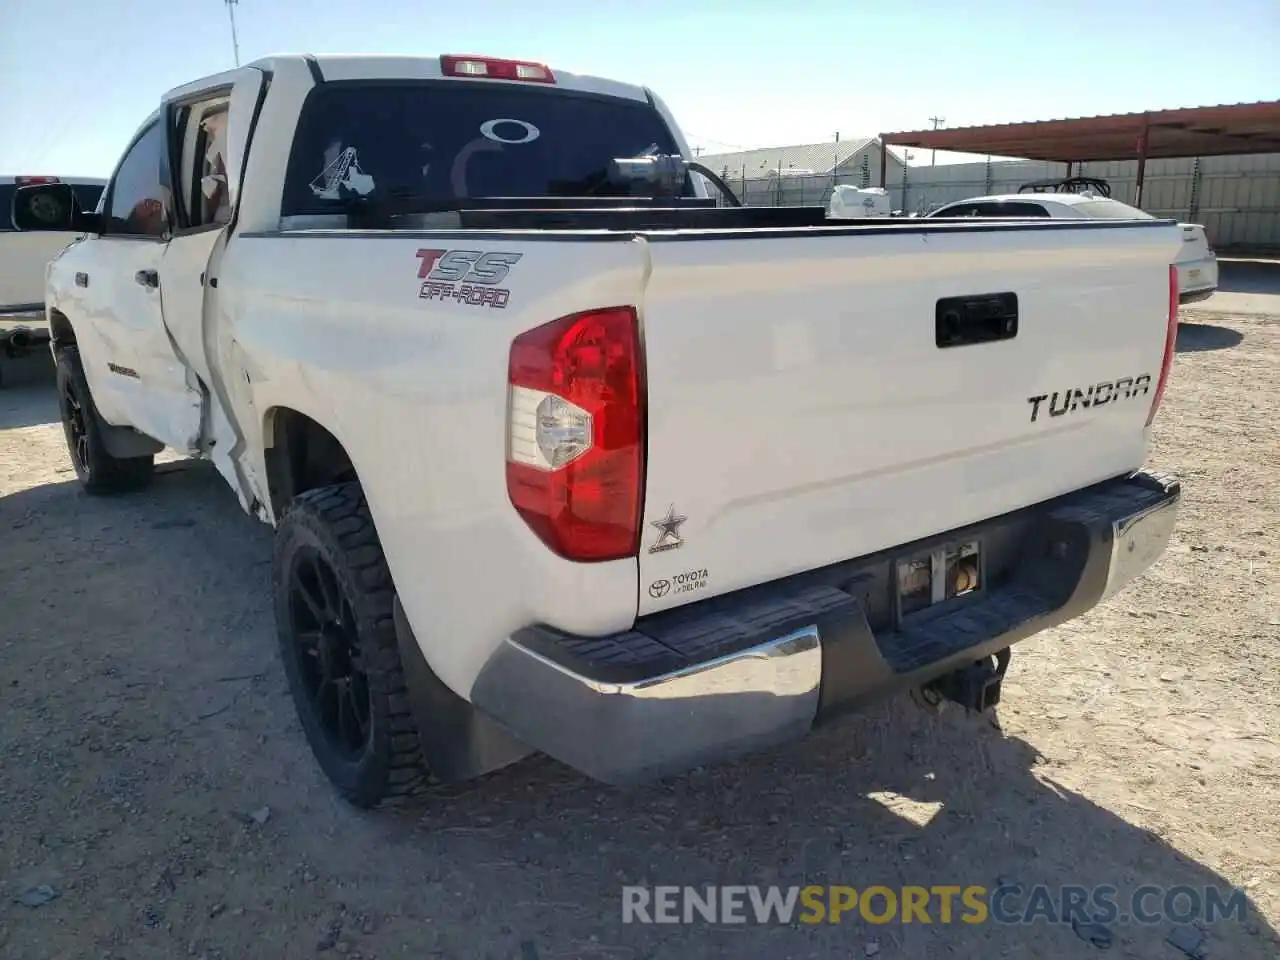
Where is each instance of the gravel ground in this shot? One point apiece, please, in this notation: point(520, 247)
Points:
point(153, 775)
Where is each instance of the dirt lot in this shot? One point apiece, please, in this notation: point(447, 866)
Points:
point(144, 722)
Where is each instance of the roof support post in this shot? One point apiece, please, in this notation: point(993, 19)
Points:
point(1142, 159)
point(884, 162)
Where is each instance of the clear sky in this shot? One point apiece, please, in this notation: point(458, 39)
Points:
point(78, 76)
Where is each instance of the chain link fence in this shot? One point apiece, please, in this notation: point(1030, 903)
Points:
point(1237, 199)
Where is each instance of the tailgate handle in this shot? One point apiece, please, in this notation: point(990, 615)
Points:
point(984, 318)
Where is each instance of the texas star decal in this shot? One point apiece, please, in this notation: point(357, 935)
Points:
point(668, 531)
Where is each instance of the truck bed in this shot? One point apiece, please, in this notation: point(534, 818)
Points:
point(583, 214)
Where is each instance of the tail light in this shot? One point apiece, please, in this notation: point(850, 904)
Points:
point(490, 68)
point(33, 181)
point(576, 432)
point(1170, 340)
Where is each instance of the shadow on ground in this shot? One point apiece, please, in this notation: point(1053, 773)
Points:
point(1196, 337)
point(148, 710)
point(27, 391)
point(1245, 275)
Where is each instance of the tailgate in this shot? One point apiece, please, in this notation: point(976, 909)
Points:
point(801, 410)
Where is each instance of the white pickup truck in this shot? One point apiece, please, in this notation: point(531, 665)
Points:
point(558, 461)
point(23, 259)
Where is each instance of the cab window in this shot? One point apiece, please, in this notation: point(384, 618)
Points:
point(136, 198)
point(201, 130)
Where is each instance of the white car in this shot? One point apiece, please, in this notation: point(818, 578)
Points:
point(1196, 262)
point(561, 460)
point(23, 259)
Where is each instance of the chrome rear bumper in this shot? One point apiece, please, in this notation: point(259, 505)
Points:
point(720, 678)
point(26, 319)
point(627, 731)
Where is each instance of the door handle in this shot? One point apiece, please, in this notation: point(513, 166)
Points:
point(987, 318)
point(82, 279)
point(148, 278)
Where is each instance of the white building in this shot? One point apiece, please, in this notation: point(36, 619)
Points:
point(803, 173)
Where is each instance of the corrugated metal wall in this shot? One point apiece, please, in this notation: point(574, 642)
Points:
point(1236, 198)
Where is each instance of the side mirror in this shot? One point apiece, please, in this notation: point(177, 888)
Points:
point(51, 207)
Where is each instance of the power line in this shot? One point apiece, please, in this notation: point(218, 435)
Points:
point(933, 154)
point(712, 140)
point(235, 41)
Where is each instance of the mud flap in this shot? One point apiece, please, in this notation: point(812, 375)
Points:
point(458, 741)
point(124, 443)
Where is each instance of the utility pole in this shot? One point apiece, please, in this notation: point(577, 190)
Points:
point(933, 154)
point(235, 41)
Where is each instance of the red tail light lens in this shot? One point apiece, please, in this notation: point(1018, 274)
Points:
point(491, 68)
point(576, 425)
point(33, 181)
point(1170, 341)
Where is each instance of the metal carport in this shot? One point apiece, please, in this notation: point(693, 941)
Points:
point(1229, 129)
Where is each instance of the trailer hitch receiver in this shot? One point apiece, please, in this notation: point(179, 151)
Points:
point(975, 687)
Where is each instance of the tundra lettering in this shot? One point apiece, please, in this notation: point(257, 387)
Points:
point(1068, 401)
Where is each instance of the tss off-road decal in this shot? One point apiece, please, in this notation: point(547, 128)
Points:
point(471, 277)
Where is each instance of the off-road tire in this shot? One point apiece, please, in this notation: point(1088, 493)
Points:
point(334, 524)
point(97, 470)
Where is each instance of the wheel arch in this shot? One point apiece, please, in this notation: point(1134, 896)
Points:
point(301, 454)
point(61, 332)
point(457, 742)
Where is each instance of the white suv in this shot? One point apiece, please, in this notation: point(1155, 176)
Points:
point(1197, 264)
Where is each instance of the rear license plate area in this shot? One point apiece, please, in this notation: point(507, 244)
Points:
point(939, 579)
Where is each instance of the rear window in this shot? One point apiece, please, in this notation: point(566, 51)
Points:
point(1014, 209)
point(446, 141)
point(1109, 210)
point(88, 195)
point(1018, 209)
